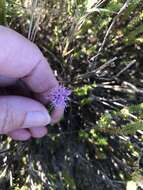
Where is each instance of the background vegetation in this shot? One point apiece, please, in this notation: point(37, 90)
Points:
point(95, 47)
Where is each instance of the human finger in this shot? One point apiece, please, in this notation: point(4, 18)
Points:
point(20, 134)
point(19, 113)
point(20, 58)
point(38, 132)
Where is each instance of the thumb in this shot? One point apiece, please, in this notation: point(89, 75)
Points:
point(19, 112)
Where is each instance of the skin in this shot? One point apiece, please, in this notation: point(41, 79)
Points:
point(22, 60)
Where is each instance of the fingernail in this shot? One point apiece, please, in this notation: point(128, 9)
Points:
point(36, 119)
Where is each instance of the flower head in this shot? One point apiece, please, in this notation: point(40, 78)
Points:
point(59, 96)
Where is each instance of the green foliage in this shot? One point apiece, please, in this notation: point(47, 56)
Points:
point(83, 91)
point(132, 115)
point(92, 148)
point(69, 181)
point(2, 12)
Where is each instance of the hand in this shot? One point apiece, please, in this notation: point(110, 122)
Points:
point(22, 118)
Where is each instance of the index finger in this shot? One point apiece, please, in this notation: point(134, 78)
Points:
point(40, 80)
point(19, 58)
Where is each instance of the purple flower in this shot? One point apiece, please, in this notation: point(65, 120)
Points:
point(59, 96)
